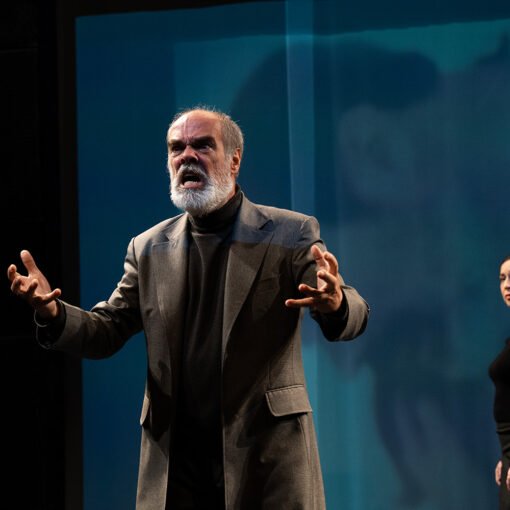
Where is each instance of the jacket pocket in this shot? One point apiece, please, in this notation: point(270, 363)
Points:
point(288, 400)
point(145, 411)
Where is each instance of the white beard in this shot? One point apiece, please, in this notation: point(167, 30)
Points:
point(199, 202)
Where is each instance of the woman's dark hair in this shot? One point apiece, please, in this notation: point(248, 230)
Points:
point(504, 260)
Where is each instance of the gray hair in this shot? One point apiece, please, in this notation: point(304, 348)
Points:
point(231, 132)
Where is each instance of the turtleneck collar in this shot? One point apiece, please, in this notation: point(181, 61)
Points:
point(219, 218)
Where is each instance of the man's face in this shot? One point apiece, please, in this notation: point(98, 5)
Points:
point(202, 176)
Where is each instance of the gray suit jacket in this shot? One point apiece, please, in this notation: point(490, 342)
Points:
point(270, 452)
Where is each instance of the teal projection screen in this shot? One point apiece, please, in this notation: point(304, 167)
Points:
point(398, 141)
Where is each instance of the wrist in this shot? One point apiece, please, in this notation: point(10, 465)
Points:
point(47, 312)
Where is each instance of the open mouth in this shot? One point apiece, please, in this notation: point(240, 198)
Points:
point(191, 179)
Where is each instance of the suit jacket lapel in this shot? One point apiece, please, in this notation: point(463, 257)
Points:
point(171, 263)
point(250, 240)
point(251, 237)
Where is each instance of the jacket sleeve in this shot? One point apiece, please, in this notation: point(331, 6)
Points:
point(102, 331)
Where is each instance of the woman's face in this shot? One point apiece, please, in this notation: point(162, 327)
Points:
point(504, 281)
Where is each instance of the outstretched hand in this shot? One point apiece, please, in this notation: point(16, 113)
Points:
point(327, 296)
point(34, 288)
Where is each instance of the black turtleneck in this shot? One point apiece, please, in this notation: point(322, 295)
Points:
point(199, 413)
point(219, 219)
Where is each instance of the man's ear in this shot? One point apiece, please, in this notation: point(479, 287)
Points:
point(235, 162)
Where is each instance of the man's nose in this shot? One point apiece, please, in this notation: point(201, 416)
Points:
point(188, 155)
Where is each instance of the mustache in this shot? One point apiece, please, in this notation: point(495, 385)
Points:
point(191, 171)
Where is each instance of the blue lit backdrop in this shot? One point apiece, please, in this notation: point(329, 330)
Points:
point(398, 141)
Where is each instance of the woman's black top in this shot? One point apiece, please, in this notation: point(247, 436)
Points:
point(499, 372)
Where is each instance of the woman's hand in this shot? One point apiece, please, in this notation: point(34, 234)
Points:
point(497, 472)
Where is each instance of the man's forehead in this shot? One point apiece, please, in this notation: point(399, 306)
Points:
point(196, 124)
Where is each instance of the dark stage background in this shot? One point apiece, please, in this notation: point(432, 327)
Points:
point(389, 121)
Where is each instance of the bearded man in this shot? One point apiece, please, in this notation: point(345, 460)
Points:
point(219, 292)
